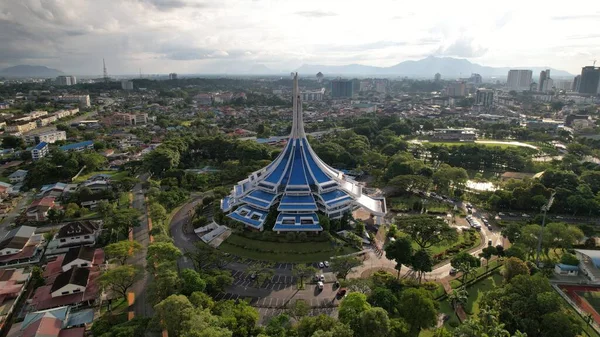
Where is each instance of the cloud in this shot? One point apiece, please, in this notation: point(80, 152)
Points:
point(168, 5)
point(463, 47)
point(315, 14)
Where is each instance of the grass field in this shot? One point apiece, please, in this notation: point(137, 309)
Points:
point(502, 146)
point(405, 204)
point(478, 272)
point(114, 175)
point(434, 250)
point(477, 290)
point(281, 252)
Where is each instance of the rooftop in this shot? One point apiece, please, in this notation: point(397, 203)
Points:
point(77, 145)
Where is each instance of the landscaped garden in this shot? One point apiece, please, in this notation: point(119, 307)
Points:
point(294, 252)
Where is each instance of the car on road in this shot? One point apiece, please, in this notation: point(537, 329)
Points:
point(453, 271)
point(341, 293)
point(326, 263)
point(321, 265)
point(320, 285)
point(525, 215)
point(490, 242)
point(489, 227)
point(485, 221)
point(322, 278)
point(514, 215)
point(501, 214)
point(559, 217)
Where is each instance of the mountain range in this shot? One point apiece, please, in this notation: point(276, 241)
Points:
point(448, 67)
point(30, 71)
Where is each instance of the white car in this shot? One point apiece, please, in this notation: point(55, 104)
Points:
point(320, 285)
point(321, 265)
point(322, 278)
point(326, 263)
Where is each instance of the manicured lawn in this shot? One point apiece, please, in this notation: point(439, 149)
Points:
point(434, 250)
point(503, 146)
point(280, 251)
point(114, 175)
point(477, 290)
point(479, 271)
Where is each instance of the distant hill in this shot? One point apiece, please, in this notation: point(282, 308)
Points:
point(30, 71)
point(449, 67)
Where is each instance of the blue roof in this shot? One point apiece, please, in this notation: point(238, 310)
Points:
point(567, 267)
point(225, 204)
point(298, 199)
point(250, 222)
point(297, 176)
point(319, 175)
point(76, 145)
point(329, 196)
point(256, 202)
point(81, 317)
point(248, 218)
point(262, 195)
point(297, 207)
point(276, 174)
point(40, 145)
point(297, 219)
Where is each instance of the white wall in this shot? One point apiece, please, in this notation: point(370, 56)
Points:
point(68, 290)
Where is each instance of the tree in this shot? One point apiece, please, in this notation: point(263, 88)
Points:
point(122, 250)
point(342, 265)
point(299, 309)
point(157, 212)
point(164, 284)
point(487, 254)
point(513, 267)
point(465, 263)
point(172, 312)
point(37, 277)
point(262, 272)
point(350, 309)
point(159, 252)
point(458, 297)
point(418, 309)
point(191, 282)
point(421, 262)
point(278, 326)
point(120, 279)
point(384, 298)
point(569, 259)
point(239, 317)
point(123, 220)
point(302, 271)
point(426, 230)
point(400, 251)
point(13, 142)
point(201, 300)
point(71, 210)
point(374, 322)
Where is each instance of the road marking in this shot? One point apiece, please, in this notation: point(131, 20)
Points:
point(270, 300)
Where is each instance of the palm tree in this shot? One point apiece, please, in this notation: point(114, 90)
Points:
point(466, 270)
point(458, 297)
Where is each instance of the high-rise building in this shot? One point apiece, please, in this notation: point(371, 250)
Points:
point(545, 84)
point(519, 79)
point(66, 80)
point(380, 87)
point(127, 85)
point(456, 89)
point(299, 186)
point(576, 81)
point(437, 77)
point(342, 88)
point(172, 76)
point(590, 80)
point(485, 97)
point(475, 79)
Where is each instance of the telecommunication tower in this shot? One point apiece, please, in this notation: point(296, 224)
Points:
point(105, 73)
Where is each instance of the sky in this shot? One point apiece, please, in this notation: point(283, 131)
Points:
point(216, 36)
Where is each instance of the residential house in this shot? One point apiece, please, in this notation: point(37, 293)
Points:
point(38, 209)
point(13, 283)
point(96, 185)
point(84, 232)
point(56, 190)
point(63, 321)
point(80, 256)
point(17, 177)
point(77, 286)
point(78, 147)
point(21, 246)
point(39, 151)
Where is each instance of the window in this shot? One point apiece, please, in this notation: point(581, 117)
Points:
point(86, 237)
point(76, 290)
point(64, 293)
point(63, 240)
point(84, 265)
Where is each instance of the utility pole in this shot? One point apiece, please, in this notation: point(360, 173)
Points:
point(545, 209)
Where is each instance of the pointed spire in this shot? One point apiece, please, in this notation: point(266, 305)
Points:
point(297, 121)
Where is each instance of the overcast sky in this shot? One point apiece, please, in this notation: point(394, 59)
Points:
point(189, 36)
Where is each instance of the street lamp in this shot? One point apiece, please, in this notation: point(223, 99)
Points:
point(545, 209)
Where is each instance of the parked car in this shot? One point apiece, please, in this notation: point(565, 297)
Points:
point(490, 242)
point(525, 215)
point(321, 265)
point(322, 278)
point(252, 276)
point(485, 221)
point(341, 293)
point(320, 285)
point(453, 271)
point(326, 263)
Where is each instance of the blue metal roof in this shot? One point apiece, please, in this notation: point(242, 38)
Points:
point(40, 145)
point(319, 175)
point(262, 195)
point(329, 196)
point(297, 199)
point(567, 267)
point(297, 218)
point(256, 202)
point(77, 145)
point(297, 207)
point(297, 175)
point(249, 222)
point(276, 174)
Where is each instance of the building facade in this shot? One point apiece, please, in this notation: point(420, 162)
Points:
point(49, 137)
point(341, 88)
point(300, 185)
point(66, 80)
point(39, 151)
point(590, 80)
point(519, 80)
point(313, 95)
point(485, 97)
point(456, 89)
point(127, 85)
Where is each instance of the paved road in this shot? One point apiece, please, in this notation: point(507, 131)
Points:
point(140, 234)
point(183, 241)
point(9, 219)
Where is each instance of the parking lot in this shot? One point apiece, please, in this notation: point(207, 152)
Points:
point(267, 313)
point(277, 282)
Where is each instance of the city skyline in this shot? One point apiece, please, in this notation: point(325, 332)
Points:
point(161, 36)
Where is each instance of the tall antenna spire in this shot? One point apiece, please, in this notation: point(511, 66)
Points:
point(105, 73)
point(297, 121)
